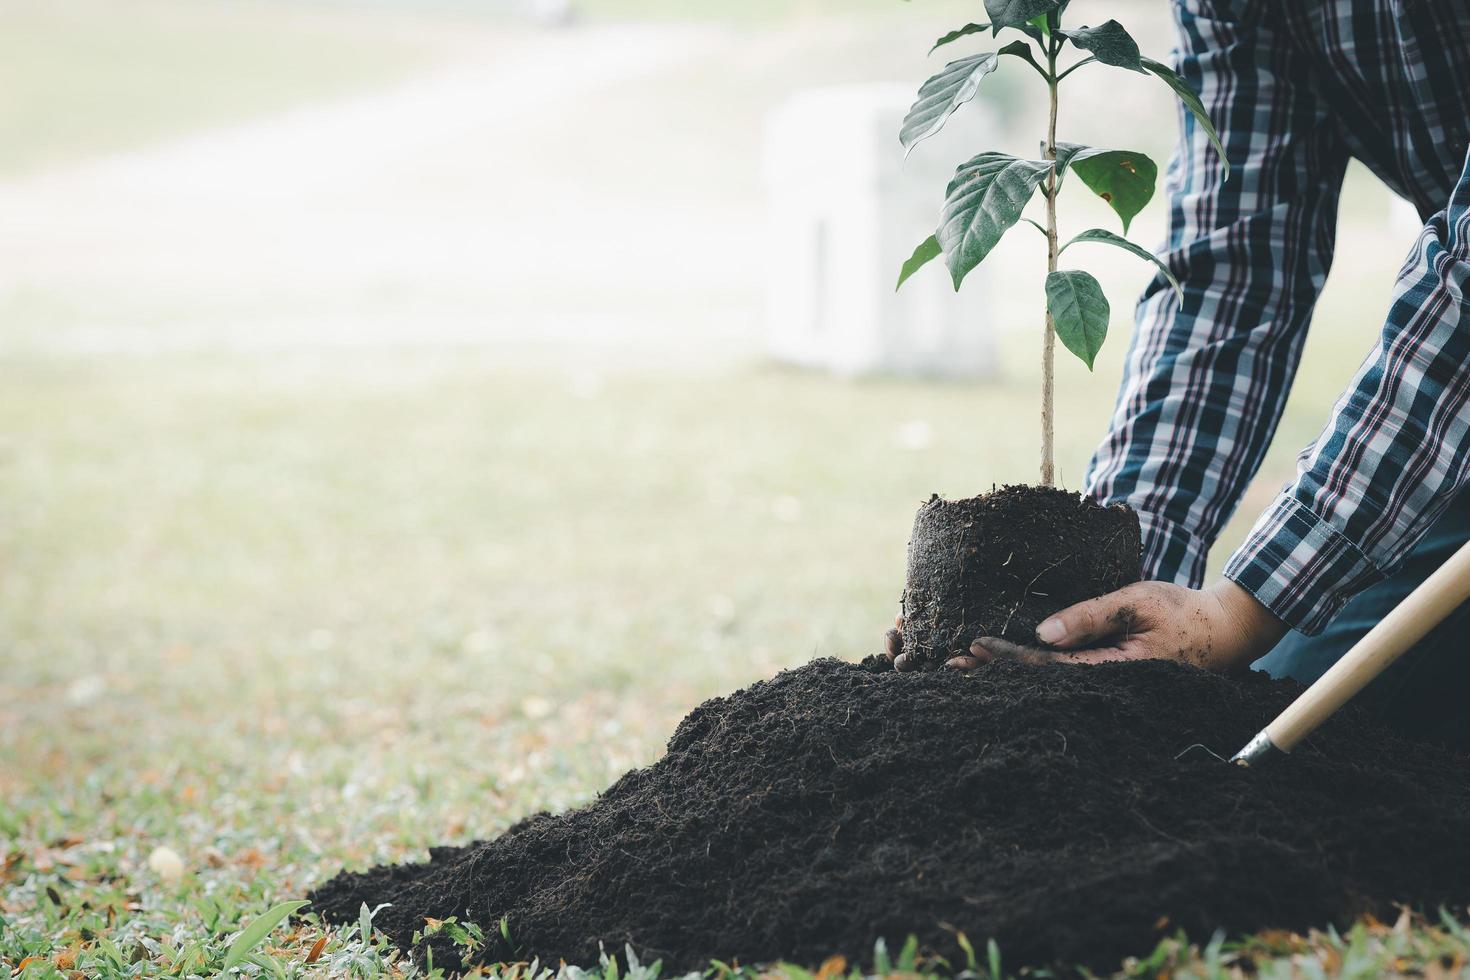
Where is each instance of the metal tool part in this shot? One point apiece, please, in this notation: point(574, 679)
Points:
point(1258, 750)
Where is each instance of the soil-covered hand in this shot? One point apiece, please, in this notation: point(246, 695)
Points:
point(893, 644)
point(1221, 628)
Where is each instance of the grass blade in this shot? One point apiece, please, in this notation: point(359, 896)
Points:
point(256, 932)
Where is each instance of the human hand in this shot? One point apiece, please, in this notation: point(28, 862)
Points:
point(1221, 628)
point(893, 644)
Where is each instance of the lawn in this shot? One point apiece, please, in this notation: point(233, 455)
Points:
point(83, 77)
point(285, 615)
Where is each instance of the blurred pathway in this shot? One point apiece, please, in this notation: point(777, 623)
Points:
point(513, 200)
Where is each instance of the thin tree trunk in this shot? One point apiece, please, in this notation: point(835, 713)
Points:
point(1049, 344)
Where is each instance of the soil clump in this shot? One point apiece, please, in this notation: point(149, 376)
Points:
point(1042, 806)
point(998, 564)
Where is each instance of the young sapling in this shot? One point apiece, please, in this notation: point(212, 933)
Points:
point(999, 564)
point(990, 192)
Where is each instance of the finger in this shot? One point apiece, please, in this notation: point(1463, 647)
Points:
point(1088, 623)
point(893, 643)
point(989, 648)
point(964, 663)
point(898, 620)
point(1099, 655)
point(994, 648)
point(905, 662)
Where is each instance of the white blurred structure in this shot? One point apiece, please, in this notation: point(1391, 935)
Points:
point(552, 13)
point(846, 211)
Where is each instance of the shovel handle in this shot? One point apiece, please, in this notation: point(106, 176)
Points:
point(1421, 611)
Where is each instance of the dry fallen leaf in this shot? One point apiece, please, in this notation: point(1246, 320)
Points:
point(833, 966)
point(67, 958)
point(316, 950)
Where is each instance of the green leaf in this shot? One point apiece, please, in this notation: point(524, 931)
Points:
point(1108, 43)
point(1022, 50)
point(1108, 238)
point(969, 950)
point(927, 251)
point(1033, 32)
point(992, 955)
point(256, 932)
point(882, 963)
point(1123, 178)
point(1015, 13)
point(1192, 103)
point(941, 95)
point(953, 36)
point(1079, 311)
point(1065, 153)
point(985, 198)
point(908, 956)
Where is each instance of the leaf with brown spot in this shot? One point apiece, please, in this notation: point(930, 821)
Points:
point(1124, 179)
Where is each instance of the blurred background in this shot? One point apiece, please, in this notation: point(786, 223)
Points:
point(410, 409)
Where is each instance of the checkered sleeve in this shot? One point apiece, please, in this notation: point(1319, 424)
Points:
point(1207, 374)
point(1394, 453)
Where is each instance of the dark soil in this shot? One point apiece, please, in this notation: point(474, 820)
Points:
point(1042, 806)
point(998, 564)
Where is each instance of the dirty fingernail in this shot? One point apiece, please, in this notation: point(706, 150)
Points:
point(963, 663)
point(902, 663)
point(1051, 631)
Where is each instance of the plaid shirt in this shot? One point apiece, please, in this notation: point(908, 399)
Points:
point(1296, 88)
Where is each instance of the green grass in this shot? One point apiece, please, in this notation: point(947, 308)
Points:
point(83, 77)
point(285, 615)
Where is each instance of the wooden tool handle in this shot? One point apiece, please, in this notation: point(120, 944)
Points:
point(1422, 610)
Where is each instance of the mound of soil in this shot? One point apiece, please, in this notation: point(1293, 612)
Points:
point(1042, 806)
point(998, 564)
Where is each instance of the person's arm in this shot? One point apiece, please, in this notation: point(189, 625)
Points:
point(1394, 454)
point(1207, 375)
